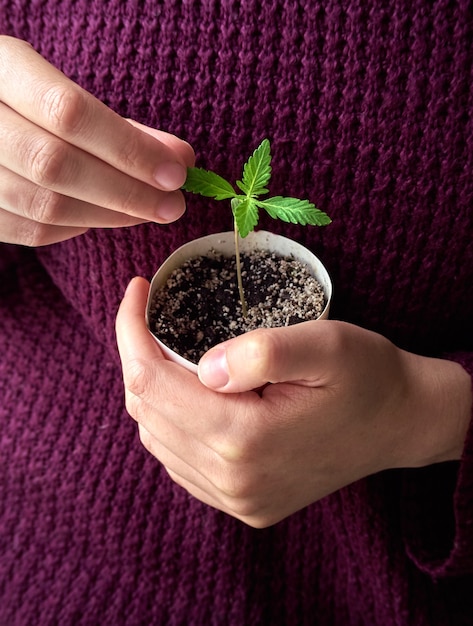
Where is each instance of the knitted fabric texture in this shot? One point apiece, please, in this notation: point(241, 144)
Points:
point(368, 109)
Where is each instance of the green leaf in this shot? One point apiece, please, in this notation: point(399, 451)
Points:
point(257, 171)
point(244, 188)
point(245, 212)
point(294, 210)
point(208, 184)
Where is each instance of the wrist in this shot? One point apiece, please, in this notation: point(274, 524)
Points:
point(439, 408)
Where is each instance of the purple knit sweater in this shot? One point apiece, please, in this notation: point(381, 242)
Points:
point(369, 108)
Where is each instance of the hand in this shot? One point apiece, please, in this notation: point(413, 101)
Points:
point(342, 403)
point(69, 163)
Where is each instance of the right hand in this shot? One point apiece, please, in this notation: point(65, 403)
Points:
point(69, 163)
point(343, 403)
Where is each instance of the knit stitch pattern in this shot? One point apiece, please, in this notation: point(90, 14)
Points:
point(368, 109)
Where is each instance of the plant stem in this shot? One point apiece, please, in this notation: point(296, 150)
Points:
point(244, 308)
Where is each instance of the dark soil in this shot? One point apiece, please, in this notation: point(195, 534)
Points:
point(199, 307)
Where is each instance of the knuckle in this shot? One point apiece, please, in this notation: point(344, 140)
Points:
point(131, 151)
point(237, 486)
point(251, 510)
point(228, 487)
point(33, 234)
point(247, 509)
point(46, 207)
point(262, 351)
point(133, 405)
point(241, 447)
point(260, 521)
point(65, 108)
point(230, 452)
point(136, 198)
point(138, 378)
point(47, 162)
point(129, 200)
point(146, 438)
point(242, 508)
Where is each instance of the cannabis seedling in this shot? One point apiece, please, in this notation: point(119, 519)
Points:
point(245, 207)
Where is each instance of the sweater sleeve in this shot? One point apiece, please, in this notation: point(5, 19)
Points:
point(438, 509)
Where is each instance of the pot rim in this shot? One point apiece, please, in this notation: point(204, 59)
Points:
point(223, 243)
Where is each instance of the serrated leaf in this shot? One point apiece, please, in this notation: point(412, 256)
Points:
point(208, 184)
point(257, 171)
point(294, 210)
point(245, 212)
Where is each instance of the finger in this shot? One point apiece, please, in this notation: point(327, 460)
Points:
point(167, 386)
point(21, 231)
point(198, 493)
point(195, 469)
point(42, 94)
point(24, 198)
point(172, 141)
point(252, 515)
point(133, 338)
point(223, 496)
point(146, 371)
point(49, 162)
point(264, 356)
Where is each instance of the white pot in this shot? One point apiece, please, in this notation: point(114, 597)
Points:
point(224, 243)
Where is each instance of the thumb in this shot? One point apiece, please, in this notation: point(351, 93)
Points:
point(133, 338)
point(264, 356)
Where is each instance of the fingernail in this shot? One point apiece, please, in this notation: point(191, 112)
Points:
point(170, 176)
point(213, 369)
point(171, 207)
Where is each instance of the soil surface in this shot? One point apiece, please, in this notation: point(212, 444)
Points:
point(199, 306)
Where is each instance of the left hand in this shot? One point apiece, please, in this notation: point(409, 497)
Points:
point(343, 403)
point(69, 163)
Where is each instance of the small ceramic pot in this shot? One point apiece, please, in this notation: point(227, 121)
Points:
point(224, 243)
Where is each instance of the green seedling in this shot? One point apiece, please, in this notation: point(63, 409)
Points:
point(245, 206)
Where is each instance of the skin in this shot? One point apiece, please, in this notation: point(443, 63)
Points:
point(351, 406)
point(54, 135)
